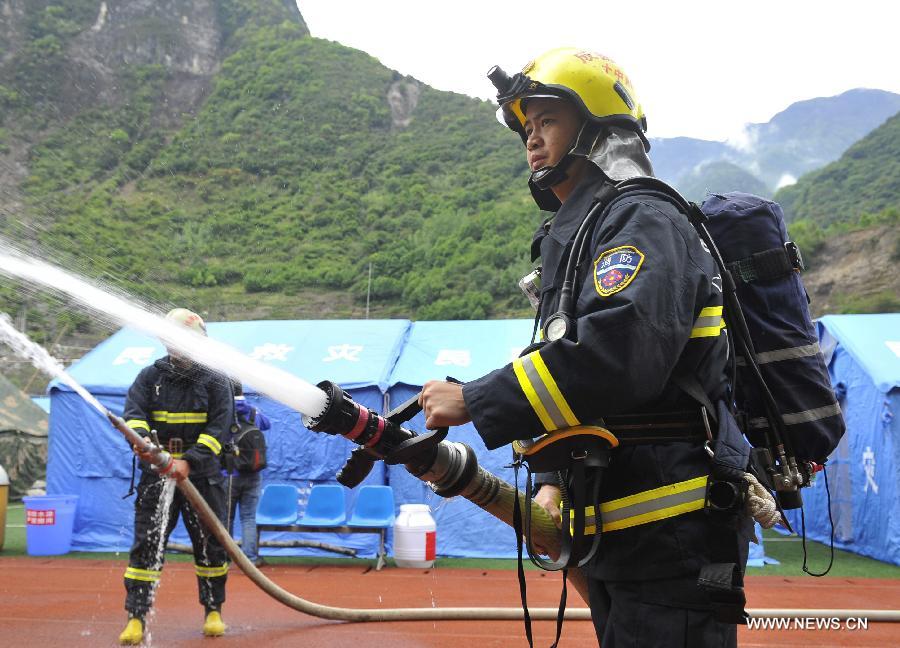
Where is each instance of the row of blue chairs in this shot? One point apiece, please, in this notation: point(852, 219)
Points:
point(326, 506)
point(326, 511)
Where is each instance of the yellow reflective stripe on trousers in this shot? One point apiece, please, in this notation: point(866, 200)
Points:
point(653, 505)
point(210, 442)
point(210, 572)
point(179, 417)
point(542, 392)
point(137, 424)
point(147, 575)
point(709, 323)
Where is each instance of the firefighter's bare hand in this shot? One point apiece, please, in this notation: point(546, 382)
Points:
point(180, 470)
point(548, 498)
point(443, 404)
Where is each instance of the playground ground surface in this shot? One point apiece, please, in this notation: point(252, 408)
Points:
point(76, 600)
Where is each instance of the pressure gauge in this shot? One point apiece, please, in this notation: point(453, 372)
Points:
point(557, 327)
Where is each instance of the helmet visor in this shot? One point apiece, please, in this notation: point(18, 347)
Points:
point(512, 113)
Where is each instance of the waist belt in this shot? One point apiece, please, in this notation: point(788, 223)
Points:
point(647, 506)
point(662, 427)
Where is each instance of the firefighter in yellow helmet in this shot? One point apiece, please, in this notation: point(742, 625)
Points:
point(191, 410)
point(630, 305)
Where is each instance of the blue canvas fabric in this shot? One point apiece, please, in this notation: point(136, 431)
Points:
point(89, 458)
point(464, 350)
point(864, 363)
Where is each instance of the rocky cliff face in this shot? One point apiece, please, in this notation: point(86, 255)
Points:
point(838, 282)
point(183, 37)
point(101, 39)
point(12, 14)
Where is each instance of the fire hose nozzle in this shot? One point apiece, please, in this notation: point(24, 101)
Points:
point(160, 460)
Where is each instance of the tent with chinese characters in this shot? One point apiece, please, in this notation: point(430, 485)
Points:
point(463, 350)
point(88, 458)
point(863, 356)
point(380, 363)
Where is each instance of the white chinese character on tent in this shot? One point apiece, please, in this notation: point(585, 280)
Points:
point(343, 352)
point(455, 357)
point(270, 351)
point(894, 346)
point(868, 462)
point(137, 355)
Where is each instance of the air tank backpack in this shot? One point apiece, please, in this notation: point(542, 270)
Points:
point(249, 445)
point(784, 400)
point(750, 234)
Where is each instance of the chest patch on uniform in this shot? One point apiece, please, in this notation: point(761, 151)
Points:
point(615, 269)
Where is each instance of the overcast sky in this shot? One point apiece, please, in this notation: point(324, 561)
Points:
point(701, 68)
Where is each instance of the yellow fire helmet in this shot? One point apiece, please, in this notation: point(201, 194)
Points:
point(602, 93)
point(593, 82)
point(187, 318)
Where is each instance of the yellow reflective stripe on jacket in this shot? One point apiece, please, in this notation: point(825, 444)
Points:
point(210, 442)
point(179, 417)
point(147, 575)
point(210, 572)
point(137, 424)
point(653, 505)
point(542, 392)
point(590, 521)
point(709, 323)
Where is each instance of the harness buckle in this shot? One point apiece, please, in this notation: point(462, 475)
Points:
point(176, 446)
point(705, 417)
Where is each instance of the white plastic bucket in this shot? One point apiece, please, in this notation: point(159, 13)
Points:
point(415, 536)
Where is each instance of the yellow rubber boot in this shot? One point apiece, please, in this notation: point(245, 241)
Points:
point(214, 626)
point(133, 633)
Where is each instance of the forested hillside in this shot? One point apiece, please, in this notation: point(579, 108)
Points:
point(211, 153)
point(845, 218)
point(863, 182)
point(303, 164)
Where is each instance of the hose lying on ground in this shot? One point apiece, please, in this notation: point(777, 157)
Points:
point(493, 495)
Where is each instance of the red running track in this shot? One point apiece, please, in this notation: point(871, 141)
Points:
point(73, 603)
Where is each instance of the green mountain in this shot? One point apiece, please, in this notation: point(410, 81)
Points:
point(847, 211)
point(289, 167)
point(718, 177)
point(804, 137)
point(865, 180)
point(211, 153)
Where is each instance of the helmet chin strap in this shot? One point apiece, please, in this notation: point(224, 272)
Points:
point(550, 176)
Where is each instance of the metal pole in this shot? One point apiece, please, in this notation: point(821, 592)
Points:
point(369, 290)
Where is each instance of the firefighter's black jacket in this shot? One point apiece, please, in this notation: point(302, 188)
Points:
point(193, 404)
point(648, 308)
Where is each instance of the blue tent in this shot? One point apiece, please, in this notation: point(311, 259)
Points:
point(380, 363)
point(863, 356)
point(463, 350)
point(87, 457)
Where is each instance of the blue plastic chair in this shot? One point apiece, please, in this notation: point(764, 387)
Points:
point(374, 507)
point(325, 507)
point(277, 505)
